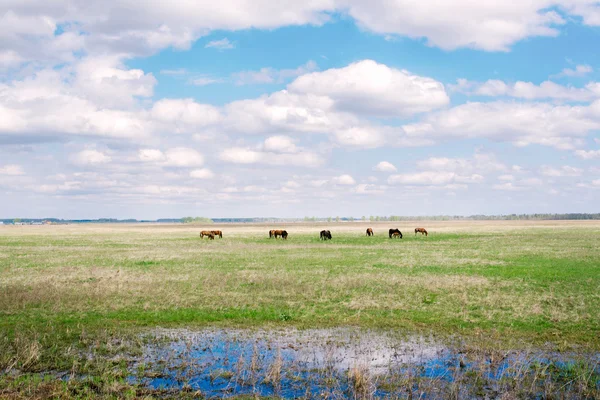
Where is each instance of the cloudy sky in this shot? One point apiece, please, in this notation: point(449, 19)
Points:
point(293, 108)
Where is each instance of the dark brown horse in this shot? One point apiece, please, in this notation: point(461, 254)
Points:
point(395, 233)
point(271, 233)
point(422, 230)
point(325, 235)
point(284, 235)
point(370, 232)
point(218, 233)
point(279, 232)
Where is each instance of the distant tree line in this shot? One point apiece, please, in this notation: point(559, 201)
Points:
point(191, 220)
point(372, 218)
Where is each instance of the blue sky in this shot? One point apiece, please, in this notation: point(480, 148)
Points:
point(289, 109)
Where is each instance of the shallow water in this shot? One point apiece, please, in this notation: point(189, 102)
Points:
point(344, 363)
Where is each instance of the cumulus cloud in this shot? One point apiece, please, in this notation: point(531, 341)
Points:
point(565, 170)
point(90, 157)
point(344, 180)
point(486, 25)
point(56, 102)
point(367, 87)
point(433, 178)
point(578, 71)
point(587, 154)
point(240, 155)
point(183, 157)
point(12, 170)
point(385, 166)
point(280, 144)
point(561, 127)
point(185, 114)
point(203, 173)
point(150, 155)
point(528, 90)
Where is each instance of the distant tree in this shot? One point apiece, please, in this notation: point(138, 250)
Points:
point(17, 220)
point(328, 219)
point(191, 220)
point(364, 218)
point(337, 219)
point(351, 219)
point(371, 218)
point(377, 218)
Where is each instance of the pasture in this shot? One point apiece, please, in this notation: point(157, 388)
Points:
point(66, 291)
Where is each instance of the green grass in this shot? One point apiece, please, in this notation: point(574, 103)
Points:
point(64, 288)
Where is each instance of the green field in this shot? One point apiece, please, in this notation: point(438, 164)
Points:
point(64, 289)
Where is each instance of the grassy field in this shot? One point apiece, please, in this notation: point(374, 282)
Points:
point(65, 288)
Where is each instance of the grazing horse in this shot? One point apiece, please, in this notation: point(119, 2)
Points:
point(395, 233)
point(422, 230)
point(206, 233)
point(217, 233)
point(278, 232)
point(325, 235)
point(284, 235)
point(370, 232)
point(271, 233)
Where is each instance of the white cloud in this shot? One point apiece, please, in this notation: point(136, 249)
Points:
point(433, 178)
point(184, 114)
point(205, 80)
point(479, 163)
point(150, 155)
point(280, 144)
point(385, 166)
point(486, 25)
point(367, 87)
point(221, 44)
point(579, 71)
point(562, 127)
point(272, 75)
point(203, 173)
point(61, 103)
point(506, 177)
point(239, 155)
point(528, 90)
point(12, 170)
point(183, 157)
point(587, 154)
point(365, 188)
point(344, 180)
point(508, 186)
point(90, 157)
point(565, 170)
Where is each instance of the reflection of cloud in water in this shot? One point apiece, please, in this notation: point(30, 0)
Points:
point(241, 362)
point(344, 349)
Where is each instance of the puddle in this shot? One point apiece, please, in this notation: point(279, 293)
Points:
point(344, 363)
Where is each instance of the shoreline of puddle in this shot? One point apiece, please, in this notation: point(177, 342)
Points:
point(347, 362)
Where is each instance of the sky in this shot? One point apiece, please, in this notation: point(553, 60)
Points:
point(294, 108)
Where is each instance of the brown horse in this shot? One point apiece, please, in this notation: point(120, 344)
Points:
point(284, 235)
point(206, 233)
point(370, 232)
point(276, 233)
point(422, 230)
point(397, 235)
point(271, 233)
point(218, 233)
